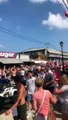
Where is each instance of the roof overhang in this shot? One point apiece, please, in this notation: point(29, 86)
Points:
point(10, 61)
point(39, 61)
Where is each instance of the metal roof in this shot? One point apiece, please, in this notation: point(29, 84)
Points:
point(10, 61)
point(54, 51)
point(57, 52)
point(48, 49)
point(34, 49)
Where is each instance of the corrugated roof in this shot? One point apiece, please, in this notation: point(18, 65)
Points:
point(10, 61)
point(57, 52)
point(49, 49)
point(54, 51)
point(34, 49)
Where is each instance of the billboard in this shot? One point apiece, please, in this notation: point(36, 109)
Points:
point(7, 55)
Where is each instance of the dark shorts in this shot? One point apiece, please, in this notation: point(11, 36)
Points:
point(22, 109)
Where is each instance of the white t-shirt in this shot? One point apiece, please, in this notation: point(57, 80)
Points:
point(30, 83)
point(22, 72)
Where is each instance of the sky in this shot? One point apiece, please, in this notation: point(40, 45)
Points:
point(26, 24)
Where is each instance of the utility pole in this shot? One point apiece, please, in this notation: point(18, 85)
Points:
point(61, 45)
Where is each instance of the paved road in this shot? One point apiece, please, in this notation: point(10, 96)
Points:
point(57, 109)
point(58, 116)
point(3, 117)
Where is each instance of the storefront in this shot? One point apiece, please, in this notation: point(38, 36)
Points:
point(9, 58)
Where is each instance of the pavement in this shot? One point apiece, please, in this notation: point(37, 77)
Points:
point(5, 117)
point(30, 117)
point(57, 111)
point(58, 115)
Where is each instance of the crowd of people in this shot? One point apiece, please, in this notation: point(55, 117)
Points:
point(38, 86)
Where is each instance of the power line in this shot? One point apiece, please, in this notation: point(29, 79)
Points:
point(60, 5)
point(65, 4)
point(24, 37)
point(20, 36)
point(54, 47)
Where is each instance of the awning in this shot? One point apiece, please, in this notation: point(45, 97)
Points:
point(10, 61)
point(39, 61)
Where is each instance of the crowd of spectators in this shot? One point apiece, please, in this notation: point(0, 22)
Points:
point(37, 69)
point(49, 72)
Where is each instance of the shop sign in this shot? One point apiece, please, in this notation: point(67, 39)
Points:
point(7, 55)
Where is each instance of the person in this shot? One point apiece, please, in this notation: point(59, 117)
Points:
point(42, 110)
point(20, 102)
point(30, 84)
point(49, 82)
point(62, 91)
point(56, 76)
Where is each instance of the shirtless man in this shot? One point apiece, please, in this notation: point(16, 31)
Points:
point(20, 102)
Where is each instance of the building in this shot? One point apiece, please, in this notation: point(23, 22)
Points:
point(30, 55)
point(50, 54)
point(11, 58)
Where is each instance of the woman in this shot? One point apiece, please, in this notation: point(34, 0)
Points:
point(63, 95)
point(20, 102)
point(41, 100)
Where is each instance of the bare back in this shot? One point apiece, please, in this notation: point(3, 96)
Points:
point(21, 94)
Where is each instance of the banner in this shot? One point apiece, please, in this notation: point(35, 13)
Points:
point(7, 55)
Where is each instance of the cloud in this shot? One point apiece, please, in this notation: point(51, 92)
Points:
point(53, 1)
point(37, 1)
point(41, 1)
point(56, 21)
point(3, 1)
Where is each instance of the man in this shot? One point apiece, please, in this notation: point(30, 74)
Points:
point(49, 82)
point(30, 83)
point(20, 102)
